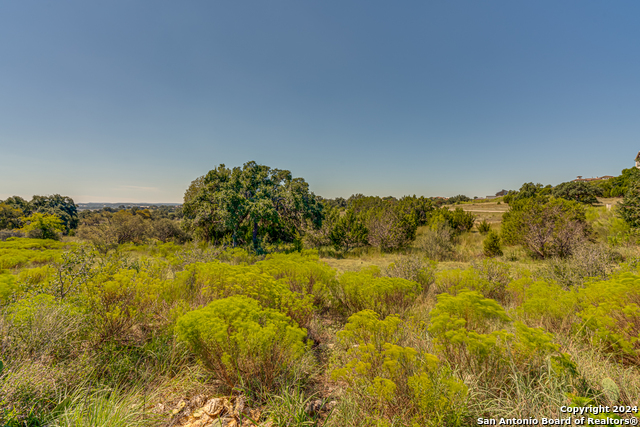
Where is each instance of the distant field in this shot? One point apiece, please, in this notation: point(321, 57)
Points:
point(492, 210)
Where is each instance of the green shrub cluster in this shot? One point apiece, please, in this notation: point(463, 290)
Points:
point(200, 283)
point(488, 277)
point(242, 342)
point(395, 384)
point(470, 331)
point(368, 289)
point(20, 252)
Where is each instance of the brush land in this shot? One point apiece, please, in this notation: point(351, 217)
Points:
point(270, 306)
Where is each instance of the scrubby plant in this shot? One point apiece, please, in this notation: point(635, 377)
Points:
point(240, 341)
point(489, 277)
point(349, 231)
point(483, 227)
point(21, 252)
point(491, 245)
point(545, 303)
point(394, 384)
point(465, 328)
point(41, 327)
point(389, 228)
point(589, 261)
point(302, 271)
point(545, 227)
point(438, 242)
point(415, 269)
point(201, 283)
point(368, 289)
point(611, 310)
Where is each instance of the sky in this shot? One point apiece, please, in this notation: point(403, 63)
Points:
point(129, 101)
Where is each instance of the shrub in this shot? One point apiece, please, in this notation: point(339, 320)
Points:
point(389, 229)
point(437, 242)
point(611, 310)
point(459, 220)
point(490, 278)
point(42, 226)
point(415, 269)
point(546, 303)
point(348, 232)
point(40, 327)
point(302, 272)
point(491, 245)
point(7, 287)
point(394, 383)
point(240, 341)
point(587, 261)
point(367, 289)
point(201, 283)
point(465, 329)
point(484, 227)
point(545, 227)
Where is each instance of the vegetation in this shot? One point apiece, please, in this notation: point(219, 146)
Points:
point(361, 312)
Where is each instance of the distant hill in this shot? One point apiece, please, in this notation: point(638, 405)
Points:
point(100, 205)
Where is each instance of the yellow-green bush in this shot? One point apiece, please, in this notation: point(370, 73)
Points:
point(465, 328)
point(39, 326)
point(545, 303)
point(303, 272)
point(7, 287)
point(611, 311)
point(393, 384)
point(214, 280)
point(116, 302)
point(19, 252)
point(241, 342)
point(489, 277)
point(367, 289)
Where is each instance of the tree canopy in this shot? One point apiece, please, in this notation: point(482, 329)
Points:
point(251, 203)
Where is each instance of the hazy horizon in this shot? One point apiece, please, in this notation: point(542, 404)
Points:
point(129, 101)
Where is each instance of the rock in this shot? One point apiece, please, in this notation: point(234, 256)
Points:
point(213, 407)
point(239, 407)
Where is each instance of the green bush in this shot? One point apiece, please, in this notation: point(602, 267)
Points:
point(545, 227)
point(392, 384)
point(489, 277)
point(491, 245)
point(239, 341)
point(200, 283)
point(414, 269)
point(40, 327)
point(367, 289)
point(611, 311)
point(437, 242)
point(546, 304)
point(484, 227)
point(301, 271)
point(465, 329)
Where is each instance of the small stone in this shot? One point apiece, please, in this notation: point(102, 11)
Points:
point(239, 408)
point(213, 407)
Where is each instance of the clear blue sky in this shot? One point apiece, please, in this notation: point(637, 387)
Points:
point(132, 100)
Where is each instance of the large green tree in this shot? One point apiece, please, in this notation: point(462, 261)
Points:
point(578, 191)
point(249, 203)
point(61, 206)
